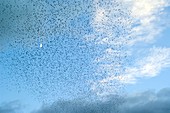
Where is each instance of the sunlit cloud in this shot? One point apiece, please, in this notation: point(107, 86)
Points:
point(149, 66)
point(147, 18)
point(141, 23)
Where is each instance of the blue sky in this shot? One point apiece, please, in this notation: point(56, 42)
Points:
point(93, 50)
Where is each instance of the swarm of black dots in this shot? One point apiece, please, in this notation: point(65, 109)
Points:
point(51, 47)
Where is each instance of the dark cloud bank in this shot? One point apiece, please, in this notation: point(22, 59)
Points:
point(11, 107)
point(145, 102)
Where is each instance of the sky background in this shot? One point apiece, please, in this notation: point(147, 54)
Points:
point(84, 56)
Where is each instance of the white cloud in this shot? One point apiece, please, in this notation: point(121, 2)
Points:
point(100, 16)
point(141, 23)
point(149, 66)
point(147, 15)
point(145, 8)
point(140, 19)
point(110, 23)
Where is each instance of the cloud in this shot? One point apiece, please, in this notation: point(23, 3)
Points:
point(118, 25)
point(147, 19)
point(111, 25)
point(148, 102)
point(11, 107)
point(144, 67)
point(140, 20)
point(80, 107)
point(149, 66)
point(110, 22)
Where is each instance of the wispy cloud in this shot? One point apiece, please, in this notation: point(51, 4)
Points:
point(111, 24)
point(149, 66)
point(140, 20)
point(147, 19)
point(111, 21)
point(141, 23)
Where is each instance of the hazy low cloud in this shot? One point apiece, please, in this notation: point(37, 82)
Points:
point(78, 106)
point(11, 107)
point(145, 102)
point(148, 102)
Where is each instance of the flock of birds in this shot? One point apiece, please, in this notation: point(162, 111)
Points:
point(57, 47)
